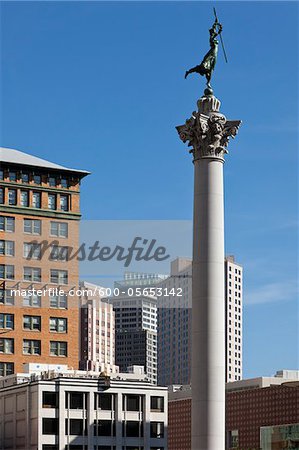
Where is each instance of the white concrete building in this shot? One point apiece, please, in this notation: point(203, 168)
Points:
point(97, 331)
point(233, 318)
point(174, 322)
point(59, 409)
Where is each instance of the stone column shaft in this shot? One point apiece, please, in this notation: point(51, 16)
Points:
point(208, 330)
point(208, 133)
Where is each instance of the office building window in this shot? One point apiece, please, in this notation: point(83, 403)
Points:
point(50, 399)
point(52, 181)
point(12, 196)
point(58, 301)
point(6, 297)
point(25, 177)
point(1, 195)
point(7, 271)
point(32, 301)
point(31, 251)
point(32, 274)
point(58, 324)
point(37, 179)
point(31, 347)
point(32, 323)
point(12, 176)
point(24, 198)
point(76, 400)
point(36, 199)
point(64, 183)
point(64, 202)
point(6, 368)
point(1, 174)
point(58, 348)
point(59, 276)
point(75, 427)
point(132, 402)
point(7, 248)
point(59, 229)
point(157, 404)
point(32, 226)
point(7, 224)
point(50, 426)
point(7, 321)
point(105, 402)
point(6, 345)
point(104, 428)
point(132, 429)
point(51, 201)
point(157, 430)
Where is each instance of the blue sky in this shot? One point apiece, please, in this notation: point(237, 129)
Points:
point(100, 86)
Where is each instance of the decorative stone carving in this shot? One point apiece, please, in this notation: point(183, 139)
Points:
point(207, 131)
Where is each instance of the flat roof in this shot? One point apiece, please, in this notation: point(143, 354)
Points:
point(12, 156)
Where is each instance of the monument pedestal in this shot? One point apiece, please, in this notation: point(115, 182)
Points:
point(208, 133)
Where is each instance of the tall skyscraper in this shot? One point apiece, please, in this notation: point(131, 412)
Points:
point(139, 280)
point(39, 227)
point(136, 333)
point(233, 318)
point(174, 323)
point(97, 331)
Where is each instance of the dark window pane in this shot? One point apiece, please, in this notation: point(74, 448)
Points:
point(75, 427)
point(133, 429)
point(133, 402)
point(157, 430)
point(104, 402)
point(75, 400)
point(50, 400)
point(104, 428)
point(50, 426)
point(157, 404)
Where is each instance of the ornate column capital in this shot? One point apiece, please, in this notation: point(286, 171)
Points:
point(208, 131)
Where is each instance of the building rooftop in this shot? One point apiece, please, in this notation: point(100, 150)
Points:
point(12, 156)
point(43, 372)
point(282, 377)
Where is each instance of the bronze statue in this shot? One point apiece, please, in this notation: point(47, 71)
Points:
point(207, 66)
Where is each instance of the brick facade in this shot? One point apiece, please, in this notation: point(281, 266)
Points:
point(246, 411)
point(12, 180)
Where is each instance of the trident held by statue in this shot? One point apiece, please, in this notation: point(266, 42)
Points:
point(220, 35)
point(207, 66)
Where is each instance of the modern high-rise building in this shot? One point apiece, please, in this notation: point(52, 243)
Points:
point(136, 333)
point(139, 279)
point(39, 229)
point(174, 322)
point(233, 278)
point(174, 325)
point(97, 331)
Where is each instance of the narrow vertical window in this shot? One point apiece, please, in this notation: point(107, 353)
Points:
point(24, 198)
point(12, 197)
point(51, 201)
point(64, 204)
point(36, 199)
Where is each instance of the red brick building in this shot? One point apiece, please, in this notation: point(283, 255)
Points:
point(39, 203)
point(261, 414)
